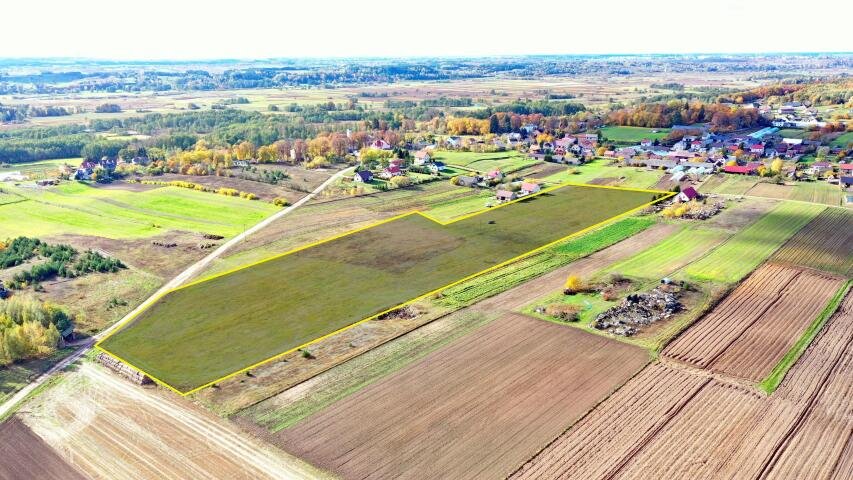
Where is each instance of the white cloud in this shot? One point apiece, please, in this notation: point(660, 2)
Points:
point(183, 29)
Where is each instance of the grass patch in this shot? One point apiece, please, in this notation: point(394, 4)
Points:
point(669, 255)
point(211, 329)
point(77, 208)
point(633, 134)
point(18, 375)
point(843, 140)
point(747, 249)
point(778, 373)
point(492, 283)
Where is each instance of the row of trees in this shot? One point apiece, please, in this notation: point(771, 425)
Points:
point(722, 118)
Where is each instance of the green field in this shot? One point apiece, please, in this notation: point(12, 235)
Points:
point(669, 255)
point(812, 192)
point(792, 133)
point(747, 249)
point(729, 184)
point(77, 208)
point(42, 168)
point(843, 140)
point(633, 134)
point(213, 328)
point(599, 169)
point(508, 162)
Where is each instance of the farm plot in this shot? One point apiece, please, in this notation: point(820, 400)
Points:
point(671, 254)
point(334, 284)
point(633, 134)
point(77, 208)
point(813, 192)
point(728, 184)
point(669, 422)
point(743, 252)
point(109, 428)
point(26, 456)
point(824, 244)
point(477, 408)
point(753, 328)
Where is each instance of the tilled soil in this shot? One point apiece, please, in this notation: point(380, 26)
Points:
point(109, 428)
point(26, 456)
point(477, 408)
point(675, 422)
point(749, 332)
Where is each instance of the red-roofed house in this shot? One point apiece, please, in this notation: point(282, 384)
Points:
point(757, 148)
point(380, 144)
point(530, 187)
point(748, 169)
point(391, 171)
point(846, 167)
point(495, 175)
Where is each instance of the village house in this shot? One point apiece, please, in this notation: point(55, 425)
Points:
point(505, 195)
point(645, 142)
point(495, 175)
point(530, 187)
point(454, 142)
point(363, 176)
point(819, 168)
point(380, 144)
point(436, 167)
point(391, 171)
point(687, 195)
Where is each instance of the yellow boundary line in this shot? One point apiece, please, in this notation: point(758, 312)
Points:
point(666, 195)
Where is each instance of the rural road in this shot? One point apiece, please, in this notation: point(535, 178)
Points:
point(182, 277)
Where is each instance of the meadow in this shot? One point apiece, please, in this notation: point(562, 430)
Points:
point(334, 284)
point(78, 208)
point(507, 162)
point(633, 134)
point(43, 168)
point(843, 140)
point(601, 172)
point(748, 248)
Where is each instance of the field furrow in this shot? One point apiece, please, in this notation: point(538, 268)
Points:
point(757, 350)
point(712, 334)
point(478, 408)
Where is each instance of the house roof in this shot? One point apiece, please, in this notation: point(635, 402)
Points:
point(846, 166)
point(504, 193)
point(529, 186)
point(739, 168)
point(690, 193)
point(421, 154)
point(495, 173)
point(393, 169)
point(365, 175)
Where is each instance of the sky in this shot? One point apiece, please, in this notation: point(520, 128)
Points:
point(255, 29)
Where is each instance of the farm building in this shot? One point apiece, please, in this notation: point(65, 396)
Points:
point(505, 195)
point(466, 181)
point(747, 169)
point(391, 171)
point(495, 175)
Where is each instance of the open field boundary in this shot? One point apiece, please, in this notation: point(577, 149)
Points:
point(662, 196)
point(771, 383)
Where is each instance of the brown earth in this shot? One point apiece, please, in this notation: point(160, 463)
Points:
point(109, 428)
point(26, 456)
point(474, 409)
point(752, 328)
point(823, 244)
point(675, 422)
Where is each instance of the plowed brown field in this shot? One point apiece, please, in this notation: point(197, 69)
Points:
point(824, 244)
point(111, 429)
point(752, 329)
point(477, 408)
point(24, 455)
point(678, 423)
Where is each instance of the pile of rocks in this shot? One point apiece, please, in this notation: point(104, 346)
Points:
point(639, 310)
